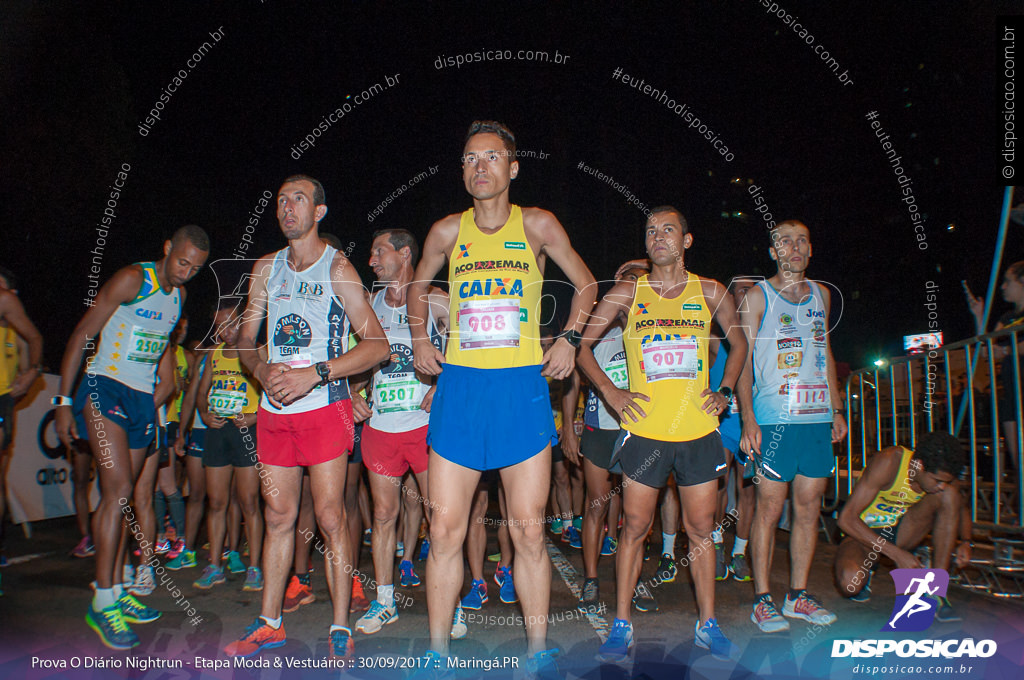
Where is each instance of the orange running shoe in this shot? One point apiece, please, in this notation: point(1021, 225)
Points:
point(358, 602)
point(297, 595)
point(257, 637)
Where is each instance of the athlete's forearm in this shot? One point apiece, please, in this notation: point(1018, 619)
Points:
point(248, 354)
point(416, 305)
point(587, 362)
point(367, 354)
point(581, 300)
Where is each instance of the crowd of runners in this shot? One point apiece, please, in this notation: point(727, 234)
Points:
point(320, 414)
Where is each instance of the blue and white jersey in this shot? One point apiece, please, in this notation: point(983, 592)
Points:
point(610, 353)
point(790, 360)
point(135, 335)
point(306, 324)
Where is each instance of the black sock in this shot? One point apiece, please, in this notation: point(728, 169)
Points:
point(762, 597)
point(303, 578)
point(793, 594)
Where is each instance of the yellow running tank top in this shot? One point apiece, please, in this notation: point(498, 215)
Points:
point(666, 344)
point(495, 289)
point(890, 504)
point(181, 373)
point(8, 358)
point(231, 391)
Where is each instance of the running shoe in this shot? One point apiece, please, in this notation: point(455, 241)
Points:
point(476, 598)
point(865, 593)
point(358, 601)
point(163, 546)
point(408, 577)
point(721, 566)
point(620, 640)
point(145, 581)
point(556, 526)
point(506, 584)
point(808, 608)
point(235, 564)
point(185, 560)
point(297, 594)
point(571, 536)
point(710, 637)
point(424, 549)
point(667, 569)
point(542, 666)
point(85, 548)
point(767, 617)
point(459, 627)
point(341, 645)
point(176, 548)
point(609, 546)
point(211, 576)
point(376, 617)
point(134, 611)
point(740, 568)
point(577, 523)
point(253, 579)
point(643, 600)
point(432, 666)
point(589, 593)
point(946, 613)
point(110, 625)
point(257, 637)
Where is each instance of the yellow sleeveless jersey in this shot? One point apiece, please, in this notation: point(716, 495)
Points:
point(231, 391)
point(495, 288)
point(8, 358)
point(890, 504)
point(181, 373)
point(666, 344)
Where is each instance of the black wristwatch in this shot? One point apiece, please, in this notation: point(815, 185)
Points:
point(323, 369)
point(727, 392)
point(573, 337)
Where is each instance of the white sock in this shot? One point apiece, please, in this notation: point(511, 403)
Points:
point(386, 595)
point(118, 590)
point(716, 535)
point(273, 623)
point(103, 599)
point(739, 546)
point(668, 545)
point(336, 627)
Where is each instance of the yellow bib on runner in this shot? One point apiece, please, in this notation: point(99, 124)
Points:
point(231, 390)
point(495, 289)
point(889, 505)
point(666, 342)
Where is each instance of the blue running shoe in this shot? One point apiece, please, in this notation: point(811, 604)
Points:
point(609, 547)
point(571, 536)
point(211, 576)
point(408, 579)
point(109, 624)
point(134, 611)
point(620, 641)
point(542, 665)
point(424, 550)
point(556, 526)
point(235, 564)
point(503, 577)
point(865, 593)
point(710, 637)
point(341, 645)
point(476, 597)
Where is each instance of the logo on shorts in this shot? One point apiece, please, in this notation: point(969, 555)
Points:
point(117, 411)
point(465, 251)
point(291, 334)
point(915, 608)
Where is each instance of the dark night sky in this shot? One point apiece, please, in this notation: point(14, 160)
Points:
point(77, 81)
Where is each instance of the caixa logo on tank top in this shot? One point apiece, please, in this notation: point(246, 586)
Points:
point(291, 334)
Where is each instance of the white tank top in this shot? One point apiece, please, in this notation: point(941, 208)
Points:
point(135, 335)
point(790, 362)
point(306, 324)
point(397, 392)
point(611, 357)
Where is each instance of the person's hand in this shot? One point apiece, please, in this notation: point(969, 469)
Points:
point(64, 423)
point(632, 264)
point(716, 403)
point(905, 560)
point(360, 409)
point(23, 383)
point(264, 372)
point(426, 358)
point(179, 446)
point(839, 428)
point(974, 303)
point(213, 420)
point(559, 360)
point(750, 439)
point(570, 442)
point(624, 403)
point(244, 420)
point(291, 385)
point(428, 399)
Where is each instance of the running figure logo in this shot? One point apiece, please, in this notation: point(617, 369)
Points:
point(915, 609)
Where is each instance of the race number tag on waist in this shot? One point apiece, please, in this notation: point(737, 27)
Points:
point(227, 403)
point(145, 347)
point(397, 395)
point(670, 359)
point(808, 398)
point(488, 323)
point(298, 360)
point(616, 372)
